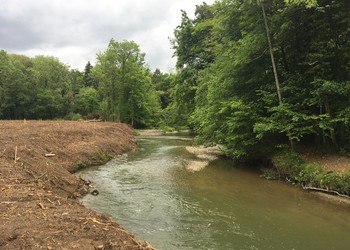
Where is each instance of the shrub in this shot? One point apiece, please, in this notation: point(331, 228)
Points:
point(74, 116)
point(310, 174)
point(269, 174)
point(287, 163)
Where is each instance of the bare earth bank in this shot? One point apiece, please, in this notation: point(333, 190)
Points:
point(39, 208)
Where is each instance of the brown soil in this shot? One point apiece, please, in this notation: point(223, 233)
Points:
point(330, 162)
point(39, 206)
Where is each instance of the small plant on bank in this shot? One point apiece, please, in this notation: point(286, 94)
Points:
point(269, 174)
point(74, 116)
point(310, 175)
point(101, 157)
point(78, 166)
point(287, 164)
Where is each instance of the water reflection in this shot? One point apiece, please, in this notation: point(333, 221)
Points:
point(151, 193)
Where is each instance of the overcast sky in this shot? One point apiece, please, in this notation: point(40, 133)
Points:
point(75, 30)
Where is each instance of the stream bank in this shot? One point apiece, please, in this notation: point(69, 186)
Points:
point(39, 205)
point(318, 173)
point(153, 193)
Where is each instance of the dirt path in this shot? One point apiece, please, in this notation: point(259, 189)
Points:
point(39, 208)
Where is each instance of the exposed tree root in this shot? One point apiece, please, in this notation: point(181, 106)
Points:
point(325, 191)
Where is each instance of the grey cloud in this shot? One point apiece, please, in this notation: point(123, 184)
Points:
point(16, 34)
point(53, 25)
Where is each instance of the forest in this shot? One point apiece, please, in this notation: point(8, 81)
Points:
point(250, 75)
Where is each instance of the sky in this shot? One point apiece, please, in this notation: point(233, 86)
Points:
point(74, 31)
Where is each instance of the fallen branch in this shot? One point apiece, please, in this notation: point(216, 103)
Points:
point(16, 158)
point(50, 201)
point(7, 202)
point(41, 206)
point(325, 191)
point(41, 176)
point(94, 120)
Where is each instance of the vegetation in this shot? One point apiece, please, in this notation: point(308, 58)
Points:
point(250, 75)
point(287, 164)
point(118, 88)
point(238, 90)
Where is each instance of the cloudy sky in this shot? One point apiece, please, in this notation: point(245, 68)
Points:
point(75, 30)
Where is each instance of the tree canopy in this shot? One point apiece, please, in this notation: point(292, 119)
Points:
point(250, 75)
point(225, 65)
point(118, 88)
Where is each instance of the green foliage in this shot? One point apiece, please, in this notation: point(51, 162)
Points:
point(286, 119)
point(87, 101)
point(125, 85)
point(118, 88)
point(31, 88)
point(88, 79)
point(269, 174)
point(73, 117)
point(14, 87)
point(163, 84)
point(287, 163)
point(307, 3)
point(314, 175)
point(226, 87)
point(310, 174)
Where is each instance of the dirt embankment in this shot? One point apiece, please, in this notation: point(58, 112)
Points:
point(39, 208)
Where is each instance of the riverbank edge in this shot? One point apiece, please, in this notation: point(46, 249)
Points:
point(273, 171)
point(40, 204)
point(159, 132)
point(99, 158)
point(293, 167)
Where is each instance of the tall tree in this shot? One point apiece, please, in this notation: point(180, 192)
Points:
point(51, 87)
point(125, 84)
point(235, 95)
point(88, 79)
point(194, 45)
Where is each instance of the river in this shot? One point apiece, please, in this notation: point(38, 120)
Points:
point(151, 193)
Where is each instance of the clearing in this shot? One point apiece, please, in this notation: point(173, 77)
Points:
point(39, 206)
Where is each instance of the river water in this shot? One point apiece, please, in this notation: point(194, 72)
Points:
point(151, 193)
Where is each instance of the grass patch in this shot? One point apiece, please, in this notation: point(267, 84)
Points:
point(98, 158)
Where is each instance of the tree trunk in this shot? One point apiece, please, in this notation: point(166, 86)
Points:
point(323, 132)
point(271, 54)
point(274, 66)
point(328, 110)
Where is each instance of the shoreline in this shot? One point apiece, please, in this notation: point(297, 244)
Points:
point(39, 202)
point(205, 155)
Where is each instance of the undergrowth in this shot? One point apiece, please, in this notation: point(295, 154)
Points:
point(287, 164)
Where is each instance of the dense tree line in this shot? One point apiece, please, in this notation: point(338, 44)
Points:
point(118, 88)
point(250, 75)
point(226, 86)
point(35, 88)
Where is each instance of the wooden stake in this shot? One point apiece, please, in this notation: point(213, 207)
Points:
point(16, 154)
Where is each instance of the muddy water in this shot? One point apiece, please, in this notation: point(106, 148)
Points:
point(152, 194)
